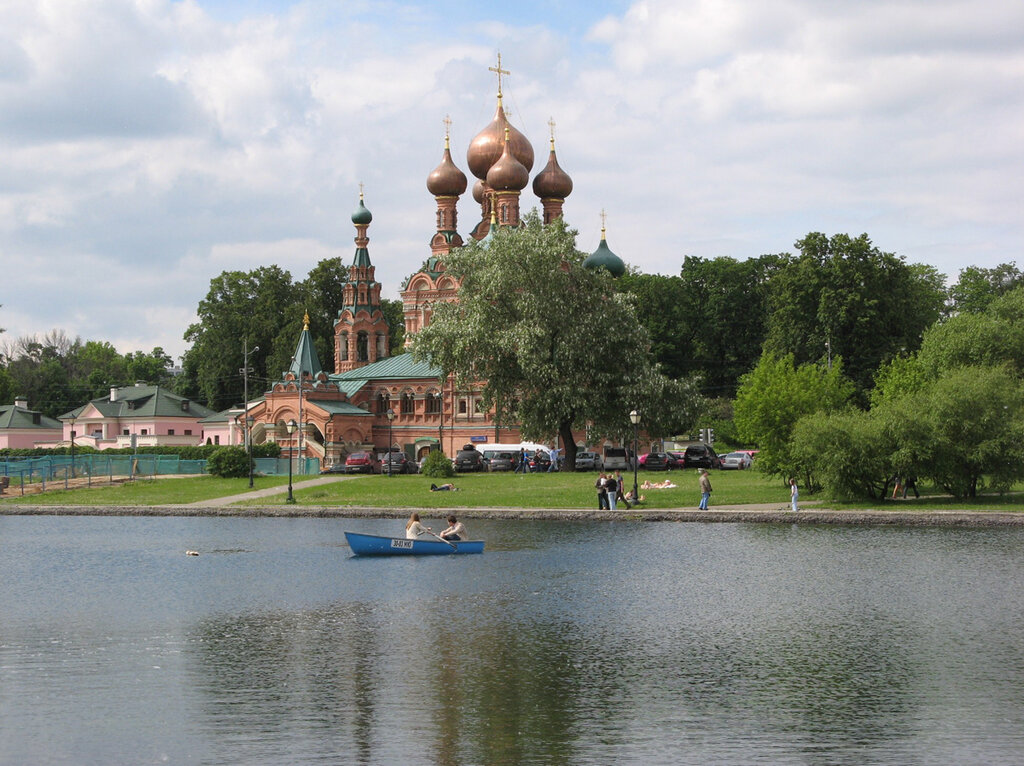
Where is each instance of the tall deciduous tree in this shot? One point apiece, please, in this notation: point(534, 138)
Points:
point(842, 296)
point(240, 308)
point(977, 287)
point(555, 346)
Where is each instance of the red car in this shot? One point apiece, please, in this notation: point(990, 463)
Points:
point(362, 462)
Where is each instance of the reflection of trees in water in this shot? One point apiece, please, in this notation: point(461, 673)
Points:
point(459, 684)
point(266, 679)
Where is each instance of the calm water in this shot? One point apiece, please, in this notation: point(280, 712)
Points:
point(565, 643)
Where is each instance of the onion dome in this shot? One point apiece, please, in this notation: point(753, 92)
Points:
point(361, 216)
point(552, 181)
point(479, 190)
point(604, 258)
point(487, 147)
point(508, 173)
point(446, 180)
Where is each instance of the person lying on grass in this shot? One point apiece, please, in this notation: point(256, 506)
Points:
point(444, 488)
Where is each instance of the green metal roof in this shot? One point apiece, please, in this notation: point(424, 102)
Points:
point(604, 257)
point(17, 417)
point(144, 401)
point(305, 359)
point(339, 408)
point(401, 366)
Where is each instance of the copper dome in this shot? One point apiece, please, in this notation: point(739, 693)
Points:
point(552, 181)
point(486, 148)
point(446, 180)
point(508, 173)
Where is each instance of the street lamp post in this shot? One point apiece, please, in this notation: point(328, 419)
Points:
point(246, 369)
point(72, 421)
point(391, 419)
point(634, 418)
point(291, 427)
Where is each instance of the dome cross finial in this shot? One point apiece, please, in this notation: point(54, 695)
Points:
point(551, 125)
point(604, 218)
point(499, 71)
point(447, 130)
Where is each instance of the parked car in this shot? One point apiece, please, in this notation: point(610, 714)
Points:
point(398, 462)
point(336, 468)
point(654, 461)
point(737, 461)
point(679, 458)
point(617, 459)
point(499, 460)
point(468, 459)
point(701, 456)
point(362, 462)
point(588, 461)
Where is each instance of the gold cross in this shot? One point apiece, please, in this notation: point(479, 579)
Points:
point(604, 216)
point(447, 126)
point(551, 124)
point(499, 72)
point(360, 190)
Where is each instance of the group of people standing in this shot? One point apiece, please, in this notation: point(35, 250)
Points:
point(610, 490)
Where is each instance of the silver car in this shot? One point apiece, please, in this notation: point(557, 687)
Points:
point(736, 461)
point(588, 461)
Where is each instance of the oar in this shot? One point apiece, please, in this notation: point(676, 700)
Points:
point(454, 546)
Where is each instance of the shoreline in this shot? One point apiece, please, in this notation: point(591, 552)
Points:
point(872, 517)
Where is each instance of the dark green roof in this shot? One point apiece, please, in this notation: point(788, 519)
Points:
point(305, 359)
point(18, 417)
point(339, 408)
point(362, 257)
point(361, 216)
point(144, 401)
point(603, 257)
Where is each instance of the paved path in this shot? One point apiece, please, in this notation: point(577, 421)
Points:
point(256, 494)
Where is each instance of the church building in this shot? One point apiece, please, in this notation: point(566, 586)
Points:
point(373, 401)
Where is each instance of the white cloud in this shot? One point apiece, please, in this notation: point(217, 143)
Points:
point(148, 145)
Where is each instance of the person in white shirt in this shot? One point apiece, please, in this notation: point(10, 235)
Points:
point(456, 530)
point(413, 527)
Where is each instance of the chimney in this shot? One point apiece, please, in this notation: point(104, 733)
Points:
point(21, 402)
point(113, 393)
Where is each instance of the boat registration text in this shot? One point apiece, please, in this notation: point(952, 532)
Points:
point(401, 543)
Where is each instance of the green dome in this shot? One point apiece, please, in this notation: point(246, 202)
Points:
point(362, 216)
point(604, 257)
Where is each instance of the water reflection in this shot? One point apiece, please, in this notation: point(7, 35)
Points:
point(563, 644)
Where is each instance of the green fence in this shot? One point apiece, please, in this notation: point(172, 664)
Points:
point(61, 469)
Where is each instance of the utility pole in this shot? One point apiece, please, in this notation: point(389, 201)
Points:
point(246, 369)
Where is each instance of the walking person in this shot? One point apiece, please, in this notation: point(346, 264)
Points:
point(794, 493)
point(620, 495)
point(602, 496)
point(705, 489)
point(553, 454)
point(524, 464)
point(611, 488)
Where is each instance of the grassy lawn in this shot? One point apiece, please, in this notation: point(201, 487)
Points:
point(159, 491)
point(543, 490)
point(497, 490)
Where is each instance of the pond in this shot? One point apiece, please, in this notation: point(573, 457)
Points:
point(564, 643)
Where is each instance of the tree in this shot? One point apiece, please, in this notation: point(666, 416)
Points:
point(848, 453)
point(394, 312)
point(842, 296)
point(555, 346)
point(240, 308)
point(154, 367)
point(977, 287)
point(775, 395)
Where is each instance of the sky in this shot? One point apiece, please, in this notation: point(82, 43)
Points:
point(146, 146)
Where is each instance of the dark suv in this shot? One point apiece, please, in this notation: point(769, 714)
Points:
point(397, 462)
point(701, 456)
point(468, 459)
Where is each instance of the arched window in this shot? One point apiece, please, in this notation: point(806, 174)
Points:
point(343, 346)
point(408, 403)
point(462, 406)
point(433, 403)
point(383, 402)
point(362, 347)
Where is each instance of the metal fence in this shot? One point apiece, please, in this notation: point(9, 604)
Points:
point(17, 472)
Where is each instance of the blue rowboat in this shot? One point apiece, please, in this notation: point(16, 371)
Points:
point(376, 545)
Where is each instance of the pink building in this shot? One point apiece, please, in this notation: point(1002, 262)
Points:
point(22, 428)
point(152, 415)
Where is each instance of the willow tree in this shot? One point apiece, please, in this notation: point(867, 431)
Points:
point(553, 346)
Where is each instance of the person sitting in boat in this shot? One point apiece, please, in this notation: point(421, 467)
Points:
point(443, 488)
point(456, 530)
point(413, 527)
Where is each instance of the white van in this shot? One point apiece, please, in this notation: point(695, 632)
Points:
point(617, 459)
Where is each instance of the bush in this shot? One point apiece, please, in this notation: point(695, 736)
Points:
point(228, 462)
point(437, 466)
